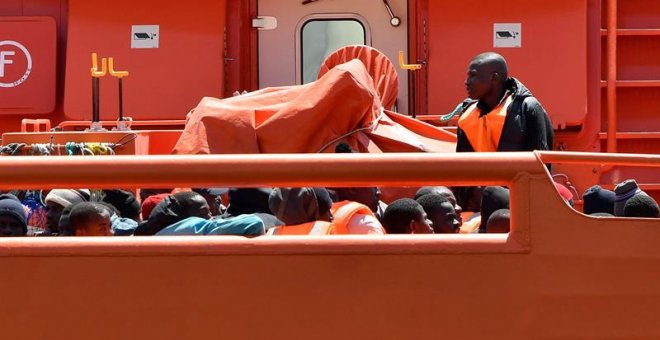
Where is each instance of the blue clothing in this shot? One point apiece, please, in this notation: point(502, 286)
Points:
point(122, 226)
point(243, 225)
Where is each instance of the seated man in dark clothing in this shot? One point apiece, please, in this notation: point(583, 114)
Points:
point(406, 216)
point(90, 219)
point(13, 220)
point(441, 212)
point(494, 198)
point(172, 209)
point(503, 115)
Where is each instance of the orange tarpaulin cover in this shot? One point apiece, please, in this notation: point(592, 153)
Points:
point(343, 105)
point(380, 68)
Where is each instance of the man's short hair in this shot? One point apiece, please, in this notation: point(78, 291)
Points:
point(494, 198)
point(399, 214)
point(499, 221)
point(428, 190)
point(641, 205)
point(185, 199)
point(300, 205)
point(83, 212)
point(495, 61)
point(431, 202)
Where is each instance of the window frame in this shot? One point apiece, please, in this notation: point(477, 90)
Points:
point(325, 17)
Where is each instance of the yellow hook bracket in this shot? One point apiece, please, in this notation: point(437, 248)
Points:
point(404, 66)
point(117, 74)
point(95, 67)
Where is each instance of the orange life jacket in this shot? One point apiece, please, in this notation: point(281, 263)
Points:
point(471, 223)
point(484, 132)
point(316, 228)
point(344, 211)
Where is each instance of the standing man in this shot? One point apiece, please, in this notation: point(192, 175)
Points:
point(503, 115)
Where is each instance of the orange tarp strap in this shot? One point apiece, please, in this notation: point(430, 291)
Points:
point(380, 68)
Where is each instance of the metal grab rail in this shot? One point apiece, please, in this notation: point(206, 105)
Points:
point(513, 169)
point(640, 160)
point(404, 169)
point(85, 123)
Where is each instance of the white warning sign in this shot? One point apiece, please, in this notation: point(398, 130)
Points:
point(507, 35)
point(145, 36)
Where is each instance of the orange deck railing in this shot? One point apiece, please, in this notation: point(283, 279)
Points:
point(559, 274)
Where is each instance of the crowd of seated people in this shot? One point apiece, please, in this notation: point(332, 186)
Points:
point(254, 212)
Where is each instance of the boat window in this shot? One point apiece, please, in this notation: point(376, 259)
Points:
point(320, 37)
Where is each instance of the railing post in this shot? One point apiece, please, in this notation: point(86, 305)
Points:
point(611, 75)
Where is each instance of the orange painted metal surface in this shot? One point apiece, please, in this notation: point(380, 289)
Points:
point(111, 123)
point(611, 75)
point(335, 170)
point(547, 74)
point(559, 274)
point(36, 125)
point(638, 160)
point(28, 51)
point(165, 82)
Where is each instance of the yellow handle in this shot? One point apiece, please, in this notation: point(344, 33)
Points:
point(95, 67)
point(405, 66)
point(118, 74)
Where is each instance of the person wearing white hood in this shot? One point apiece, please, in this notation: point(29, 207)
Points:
point(59, 199)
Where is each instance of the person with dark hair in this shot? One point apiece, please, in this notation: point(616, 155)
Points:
point(251, 201)
point(641, 205)
point(90, 219)
point(598, 200)
point(343, 147)
point(304, 211)
point(441, 212)
point(493, 199)
point(13, 219)
point(125, 203)
point(469, 198)
point(120, 226)
point(406, 216)
point(444, 192)
point(172, 209)
point(502, 114)
point(212, 197)
point(56, 201)
point(357, 209)
point(499, 222)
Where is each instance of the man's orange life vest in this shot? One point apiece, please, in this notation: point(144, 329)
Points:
point(484, 132)
point(315, 228)
point(471, 223)
point(342, 212)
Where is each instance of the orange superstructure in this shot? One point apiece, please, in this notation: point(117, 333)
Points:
point(205, 79)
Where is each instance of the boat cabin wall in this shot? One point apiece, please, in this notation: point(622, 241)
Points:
point(163, 83)
point(194, 60)
point(58, 11)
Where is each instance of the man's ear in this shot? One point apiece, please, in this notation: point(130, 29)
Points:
point(413, 226)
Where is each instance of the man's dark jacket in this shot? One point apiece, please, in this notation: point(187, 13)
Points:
point(526, 127)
